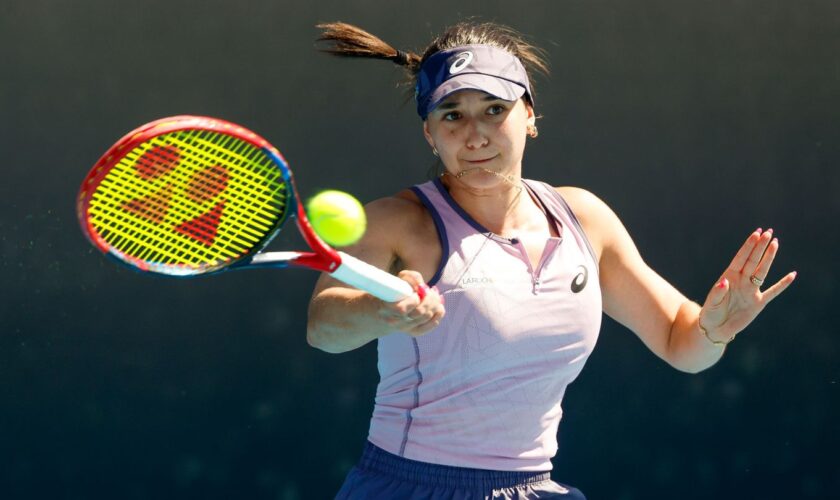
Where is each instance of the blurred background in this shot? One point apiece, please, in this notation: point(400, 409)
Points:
point(695, 121)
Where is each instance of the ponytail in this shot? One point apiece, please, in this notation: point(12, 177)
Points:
point(347, 40)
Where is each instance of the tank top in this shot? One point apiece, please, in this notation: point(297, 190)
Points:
point(484, 389)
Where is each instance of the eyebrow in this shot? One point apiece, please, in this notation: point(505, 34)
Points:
point(454, 103)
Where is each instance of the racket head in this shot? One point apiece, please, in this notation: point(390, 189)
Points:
point(186, 195)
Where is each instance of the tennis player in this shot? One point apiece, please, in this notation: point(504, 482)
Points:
point(473, 375)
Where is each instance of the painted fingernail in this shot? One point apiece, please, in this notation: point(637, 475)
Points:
point(723, 283)
point(758, 230)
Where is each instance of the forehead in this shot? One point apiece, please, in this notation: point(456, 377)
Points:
point(466, 96)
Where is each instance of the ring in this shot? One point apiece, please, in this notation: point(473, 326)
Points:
point(756, 281)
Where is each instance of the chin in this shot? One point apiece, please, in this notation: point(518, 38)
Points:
point(483, 178)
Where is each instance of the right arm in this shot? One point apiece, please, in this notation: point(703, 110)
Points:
point(343, 318)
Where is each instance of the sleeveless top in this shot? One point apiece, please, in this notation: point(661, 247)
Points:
point(484, 389)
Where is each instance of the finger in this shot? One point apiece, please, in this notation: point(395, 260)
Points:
point(431, 302)
point(416, 281)
point(430, 324)
point(414, 278)
point(763, 268)
point(756, 254)
point(780, 286)
point(400, 311)
point(743, 254)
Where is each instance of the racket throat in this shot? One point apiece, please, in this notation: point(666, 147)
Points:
point(303, 259)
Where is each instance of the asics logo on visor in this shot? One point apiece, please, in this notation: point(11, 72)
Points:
point(464, 59)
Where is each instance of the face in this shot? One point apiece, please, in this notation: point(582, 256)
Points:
point(477, 135)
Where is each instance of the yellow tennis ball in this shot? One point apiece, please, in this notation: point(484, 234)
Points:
point(337, 217)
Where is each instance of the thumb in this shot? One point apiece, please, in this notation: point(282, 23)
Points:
point(718, 293)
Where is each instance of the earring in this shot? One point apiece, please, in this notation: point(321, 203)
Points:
point(434, 151)
point(532, 130)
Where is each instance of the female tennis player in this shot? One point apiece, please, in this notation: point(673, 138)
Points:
point(473, 375)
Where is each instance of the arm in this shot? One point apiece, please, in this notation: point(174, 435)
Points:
point(342, 318)
point(666, 321)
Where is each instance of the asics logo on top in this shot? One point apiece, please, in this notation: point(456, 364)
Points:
point(579, 283)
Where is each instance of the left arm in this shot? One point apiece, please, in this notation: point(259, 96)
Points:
point(689, 337)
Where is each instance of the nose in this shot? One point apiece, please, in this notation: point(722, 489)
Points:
point(476, 138)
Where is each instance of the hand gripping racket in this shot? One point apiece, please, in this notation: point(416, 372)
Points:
point(190, 195)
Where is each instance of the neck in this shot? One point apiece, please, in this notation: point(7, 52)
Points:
point(502, 207)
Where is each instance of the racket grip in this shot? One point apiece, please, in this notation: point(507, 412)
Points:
point(375, 281)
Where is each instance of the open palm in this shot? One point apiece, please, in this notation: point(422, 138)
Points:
point(737, 298)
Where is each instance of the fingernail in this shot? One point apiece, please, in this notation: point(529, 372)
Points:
point(422, 290)
point(758, 230)
point(723, 283)
point(770, 230)
point(794, 274)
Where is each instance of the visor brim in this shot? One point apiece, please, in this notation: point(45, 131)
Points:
point(497, 87)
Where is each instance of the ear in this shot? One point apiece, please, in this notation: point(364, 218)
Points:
point(532, 116)
point(426, 133)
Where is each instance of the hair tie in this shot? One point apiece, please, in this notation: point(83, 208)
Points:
point(400, 58)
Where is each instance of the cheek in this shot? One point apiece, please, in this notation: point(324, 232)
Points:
point(446, 138)
point(514, 135)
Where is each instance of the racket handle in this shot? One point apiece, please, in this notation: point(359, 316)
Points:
point(375, 281)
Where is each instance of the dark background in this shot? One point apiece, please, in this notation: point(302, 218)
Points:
point(696, 121)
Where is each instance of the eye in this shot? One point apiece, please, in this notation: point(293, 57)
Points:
point(451, 116)
point(496, 109)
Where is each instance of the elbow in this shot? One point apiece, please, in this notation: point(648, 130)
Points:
point(689, 367)
point(315, 339)
point(691, 370)
point(317, 334)
point(319, 339)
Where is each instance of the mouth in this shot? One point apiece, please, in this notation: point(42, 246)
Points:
point(481, 161)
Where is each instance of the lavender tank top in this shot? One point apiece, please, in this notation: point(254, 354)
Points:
point(484, 389)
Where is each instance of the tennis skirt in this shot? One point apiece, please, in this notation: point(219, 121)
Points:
point(383, 475)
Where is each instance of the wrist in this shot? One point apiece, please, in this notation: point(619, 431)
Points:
point(713, 337)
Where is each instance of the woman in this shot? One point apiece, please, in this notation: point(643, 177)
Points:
point(474, 369)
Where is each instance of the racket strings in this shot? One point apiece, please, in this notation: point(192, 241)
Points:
point(200, 228)
point(156, 202)
point(189, 198)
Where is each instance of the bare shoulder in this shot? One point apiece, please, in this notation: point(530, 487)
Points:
point(395, 214)
point(597, 219)
point(401, 227)
point(583, 202)
point(405, 203)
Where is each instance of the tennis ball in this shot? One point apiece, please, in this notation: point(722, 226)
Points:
point(337, 217)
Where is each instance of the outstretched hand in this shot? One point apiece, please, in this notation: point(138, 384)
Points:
point(737, 297)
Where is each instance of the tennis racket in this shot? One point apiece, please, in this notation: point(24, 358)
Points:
point(193, 195)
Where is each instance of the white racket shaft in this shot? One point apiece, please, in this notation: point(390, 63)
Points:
point(375, 281)
point(354, 272)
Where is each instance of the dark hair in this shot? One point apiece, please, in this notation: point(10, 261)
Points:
point(351, 41)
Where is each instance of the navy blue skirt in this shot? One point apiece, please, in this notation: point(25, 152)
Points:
point(383, 475)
